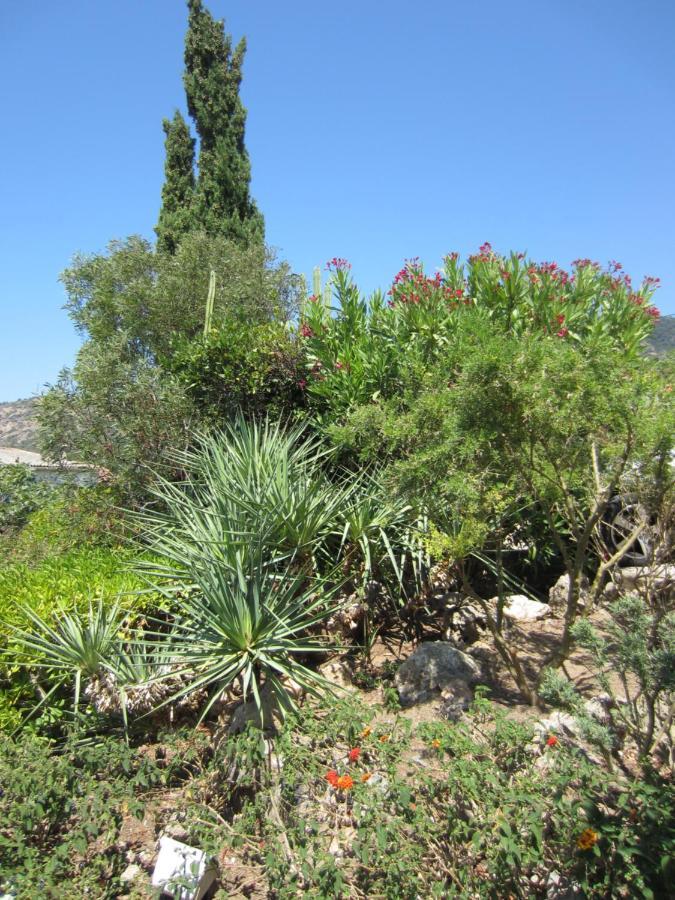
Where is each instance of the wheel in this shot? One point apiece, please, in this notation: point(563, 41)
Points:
point(622, 517)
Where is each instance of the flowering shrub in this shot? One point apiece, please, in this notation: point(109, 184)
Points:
point(363, 350)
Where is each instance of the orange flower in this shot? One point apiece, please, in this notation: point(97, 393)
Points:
point(345, 782)
point(366, 732)
point(332, 778)
point(366, 777)
point(587, 839)
point(436, 744)
point(551, 741)
point(383, 738)
point(354, 754)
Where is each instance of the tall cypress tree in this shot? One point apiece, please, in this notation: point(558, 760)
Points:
point(178, 193)
point(219, 203)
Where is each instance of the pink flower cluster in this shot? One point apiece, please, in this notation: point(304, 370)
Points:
point(338, 264)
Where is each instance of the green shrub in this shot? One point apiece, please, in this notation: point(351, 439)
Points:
point(20, 495)
point(62, 810)
point(463, 810)
point(71, 518)
point(57, 586)
point(363, 349)
point(241, 366)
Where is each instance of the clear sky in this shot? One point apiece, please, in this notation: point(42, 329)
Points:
point(377, 131)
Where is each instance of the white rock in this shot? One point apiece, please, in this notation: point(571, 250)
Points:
point(131, 873)
point(379, 782)
point(519, 608)
point(648, 577)
point(557, 595)
point(182, 872)
point(433, 667)
point(557, 723)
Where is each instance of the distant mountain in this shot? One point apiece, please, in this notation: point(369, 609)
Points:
point(18, 424)
point(662, 339)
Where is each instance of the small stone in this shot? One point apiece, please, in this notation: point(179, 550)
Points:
point(379, 782)
point(339, 673)
point(176, 830)
point(557, 723)
point(653, 578)
point(131, 873)
point(519, 608)
point(557, 595)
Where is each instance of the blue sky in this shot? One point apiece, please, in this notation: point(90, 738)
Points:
point(376, 132)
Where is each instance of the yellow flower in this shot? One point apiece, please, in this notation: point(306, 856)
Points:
point(587, 839)
point(366, 732)
point(383, 738)
point(436, 744)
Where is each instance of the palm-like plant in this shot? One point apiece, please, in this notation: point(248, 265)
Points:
point(248, 621)
point(77, 648)
point(379, 537)
point(249, 482)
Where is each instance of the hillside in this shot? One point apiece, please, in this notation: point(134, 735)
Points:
point(663, 337)
point(18, 425)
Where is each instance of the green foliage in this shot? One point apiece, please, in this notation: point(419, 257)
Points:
point(365, 350)
point(72, 518)
point(247, 367)
point(175, 216)
point(62, 812)
point(480, 818)
point(59, 587)
point(639, 647)
point(20, 495)
point(121, 407)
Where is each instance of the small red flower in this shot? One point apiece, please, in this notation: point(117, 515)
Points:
point(560, 318)
point(332, 778)
point(354, 754)
point(551, 741)
point(562, 333)
point(302, 384)
point(305, 330)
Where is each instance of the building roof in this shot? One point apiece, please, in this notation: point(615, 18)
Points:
point(11, 455)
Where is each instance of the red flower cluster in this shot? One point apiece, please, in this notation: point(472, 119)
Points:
point(485, 253)
point(551, 741)
point(584, 263)
point(339, 782)
point(354, 754)
point(306, 331)
point(338, 264)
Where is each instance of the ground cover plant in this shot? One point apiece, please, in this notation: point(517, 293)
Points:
point(353, 802)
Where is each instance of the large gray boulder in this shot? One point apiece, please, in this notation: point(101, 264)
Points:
point(433, 667)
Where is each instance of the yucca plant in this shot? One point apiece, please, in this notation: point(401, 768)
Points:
point(78, 648)
point(376, 538)
point(249, 481)
point(249, 621)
